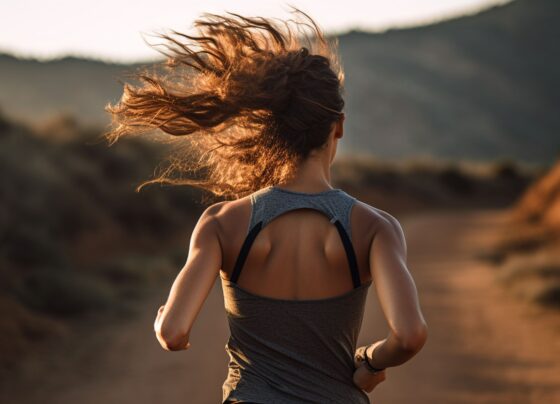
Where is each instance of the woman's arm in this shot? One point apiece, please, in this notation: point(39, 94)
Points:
point(397, 295)
point(193, 284)
point(399, 302)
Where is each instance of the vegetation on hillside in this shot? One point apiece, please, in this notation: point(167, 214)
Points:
point(76, 238)
point(527, 257)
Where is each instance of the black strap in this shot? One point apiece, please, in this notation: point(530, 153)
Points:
point(350, 253)
point(257, 228)
point(244, 251)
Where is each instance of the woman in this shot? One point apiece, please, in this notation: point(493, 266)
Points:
point(262, 108)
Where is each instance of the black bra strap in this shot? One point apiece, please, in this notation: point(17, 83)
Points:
point(343, 235)
point(245, 251)
point(352, 262)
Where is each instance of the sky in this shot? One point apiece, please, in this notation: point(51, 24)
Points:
point(117, 30)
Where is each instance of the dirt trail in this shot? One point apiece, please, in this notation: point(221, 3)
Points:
point(483, 346)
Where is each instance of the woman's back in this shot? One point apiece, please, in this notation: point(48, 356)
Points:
point(294, 293)
point(298, 254)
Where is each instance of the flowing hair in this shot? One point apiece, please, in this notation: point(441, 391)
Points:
point(244, 102)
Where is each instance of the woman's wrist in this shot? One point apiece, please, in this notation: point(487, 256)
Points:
point(370, 365)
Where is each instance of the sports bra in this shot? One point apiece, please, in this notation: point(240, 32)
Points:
point(294, 350)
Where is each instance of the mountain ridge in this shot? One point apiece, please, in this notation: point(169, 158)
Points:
point(479, 87)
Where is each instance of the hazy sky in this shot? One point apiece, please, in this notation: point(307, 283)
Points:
point(112, 29)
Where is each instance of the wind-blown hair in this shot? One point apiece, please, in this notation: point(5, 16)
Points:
point(245, 101)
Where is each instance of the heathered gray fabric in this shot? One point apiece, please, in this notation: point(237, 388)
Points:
point(293, 351)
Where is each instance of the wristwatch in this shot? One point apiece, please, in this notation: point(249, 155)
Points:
point(368, 364)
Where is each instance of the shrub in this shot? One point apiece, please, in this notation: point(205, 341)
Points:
point(455, 180)
point(65, 292)
point(549, 296)
point(506, 169)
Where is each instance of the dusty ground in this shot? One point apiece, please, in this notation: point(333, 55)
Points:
point(484, 346)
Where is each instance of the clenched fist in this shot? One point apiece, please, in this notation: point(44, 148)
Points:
point(364, 378)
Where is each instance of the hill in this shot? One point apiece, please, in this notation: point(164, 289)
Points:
point(478, 87)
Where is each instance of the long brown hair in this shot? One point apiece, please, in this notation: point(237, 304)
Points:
point(253, 97)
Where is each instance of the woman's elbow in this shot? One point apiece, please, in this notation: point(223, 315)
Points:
point(172, 341)
point(414, 339)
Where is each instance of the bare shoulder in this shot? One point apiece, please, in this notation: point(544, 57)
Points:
point(227, 213)
point(380, 221)
point(375, 216)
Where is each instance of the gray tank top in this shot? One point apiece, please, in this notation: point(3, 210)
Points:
point(284, 351)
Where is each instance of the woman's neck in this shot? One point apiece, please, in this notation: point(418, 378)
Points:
point(314, 175)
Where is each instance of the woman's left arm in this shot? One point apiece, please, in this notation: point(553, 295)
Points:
point(193, 284)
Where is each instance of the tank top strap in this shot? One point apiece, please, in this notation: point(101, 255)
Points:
point(269, 203)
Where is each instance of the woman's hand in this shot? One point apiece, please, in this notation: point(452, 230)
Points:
point(364, 378)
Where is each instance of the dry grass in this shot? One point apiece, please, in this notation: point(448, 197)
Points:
point(516, 238)
point(533, 276)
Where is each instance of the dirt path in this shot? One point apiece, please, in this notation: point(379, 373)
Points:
point(483, 346)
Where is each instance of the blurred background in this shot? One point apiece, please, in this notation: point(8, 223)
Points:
point(453, 127)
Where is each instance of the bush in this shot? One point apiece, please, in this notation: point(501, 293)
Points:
point(506, 170)
point(534, 277)
point(27, 246)
point(549, 296)
point(65, 292)
point(456, 181)
point(136, 269)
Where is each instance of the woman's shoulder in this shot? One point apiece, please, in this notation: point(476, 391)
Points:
point(230, 213)
point(374, 216)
